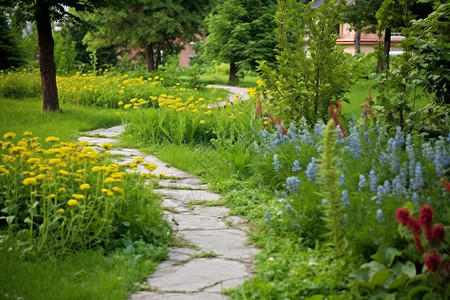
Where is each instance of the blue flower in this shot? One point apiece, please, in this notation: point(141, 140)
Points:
point(373, 181)
point(345, 198)
point(276, 163)
point(318, 128)
point(380, 194)
point(292, 183)
point(296, 166)
point(387, 187)
point(342, 179)
point(415, 199)
point(311, 170)
point(416, 182)
point(362, 182)
point(354, 144)
point(380, 216)
point(288, 208)
point(267, 216)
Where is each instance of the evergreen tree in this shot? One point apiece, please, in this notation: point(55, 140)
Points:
point(9, 50)
point(240, 32)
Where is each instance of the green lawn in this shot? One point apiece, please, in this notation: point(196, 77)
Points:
point(20, 115)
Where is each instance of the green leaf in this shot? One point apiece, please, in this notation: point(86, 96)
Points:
point(385, 255)
point(380, 277)
point(408, 269)
point(9, 219)
point(27, 220)
point(397, 282)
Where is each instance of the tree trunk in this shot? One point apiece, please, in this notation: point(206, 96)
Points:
point(46, 57)
point(387, 46)
point(150, 61)
point(358, 41)
point(233, 71)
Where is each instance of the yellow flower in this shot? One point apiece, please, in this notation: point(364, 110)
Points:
point(78, 196)
point(139, 160)
point(41, 176)
point(30, 181)
point(61, 210)
point(62, 190)
point(156, 77)
point(85, 186)
point(208, 112)
point(202, 121)
point(145, 176)
point(161, 175)
point(118, 190)
point(109, 180)
point(4, 171)
point(83, 143)
point(126, 106)
point(32, 160)
point(51, 196)
point(54, 161)
point(131, 165)
point(9, 135)
point(150, 167)
point(108, 192)
point(96, 169)
point(27, 133)
point(107, 146)
point(121, 91)
point(73, 202)
point(63, 172)
point(120, 102)
point(52, 139)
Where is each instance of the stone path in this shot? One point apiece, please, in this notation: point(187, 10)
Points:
point(212, 252)
point(233, 91)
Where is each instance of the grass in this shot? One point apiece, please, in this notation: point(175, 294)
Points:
point(82, 275)
point(21, 115)
point(247, 81)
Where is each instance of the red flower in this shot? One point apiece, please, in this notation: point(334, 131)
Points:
point(283, 131)
point(438, 233)
point(402, 215)
point(446, 183)
point(414, 224)
point(336, 121)
point(418, 244)
point(432, 261)
point(278, 120)
point(426, 216)
point(339, 107)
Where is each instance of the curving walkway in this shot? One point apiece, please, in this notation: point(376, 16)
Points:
point(212, 252)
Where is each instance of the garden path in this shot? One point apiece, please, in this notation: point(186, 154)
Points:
point(211, 253)
point(233, 91)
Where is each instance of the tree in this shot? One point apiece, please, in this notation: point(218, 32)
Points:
point(312, 72)
point(9, 49)
point(151, 25)
point(43, 12)
point(241, 33)
point(360, 14)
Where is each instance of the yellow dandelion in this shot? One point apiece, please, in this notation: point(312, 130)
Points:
point(120, 102)
point(54, 161)
point(139, 160)
point(107, 146)
point(62, 190)
point(145, 176)
point(30, 181)
point(85, 186)
point(126, 106)
point(51, 196)
point(118, 190)
point(109, 180)
point(150, 167)
point(32, 160)
point(202, 121)
point(61, 210)
point(9, 135)
point(63, 172)
point(96, 169)
point(78, 196)
point(27, 133)
point(73, 202)
point(162, 175)
point(41, 176)
point(83, 143)
point(52, 139)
